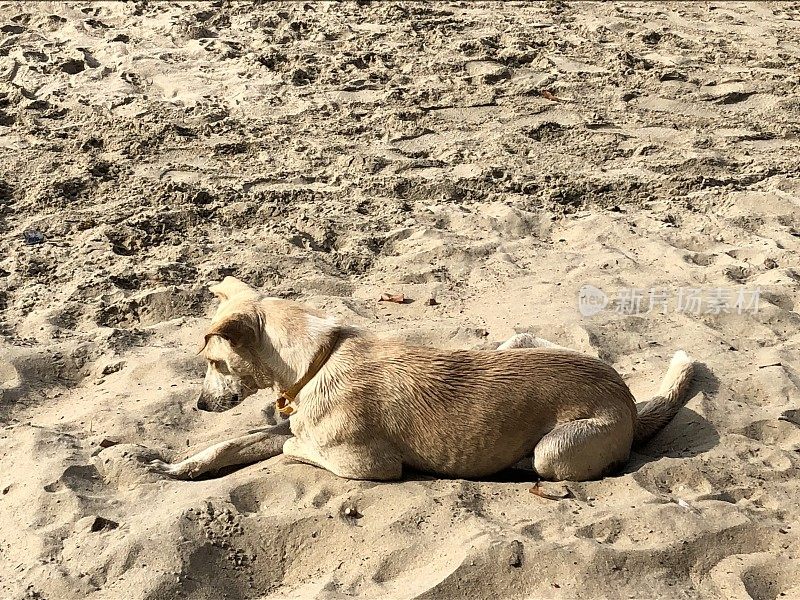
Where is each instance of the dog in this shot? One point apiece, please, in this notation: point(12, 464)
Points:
point(365, 408)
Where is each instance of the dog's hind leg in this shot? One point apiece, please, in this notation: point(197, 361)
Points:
point(243, 450)
point(527, 340)
point(582, 449)
point(347, 460)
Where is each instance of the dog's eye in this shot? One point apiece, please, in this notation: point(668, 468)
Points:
point(220, 366)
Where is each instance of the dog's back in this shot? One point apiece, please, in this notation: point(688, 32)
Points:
point(467, 413)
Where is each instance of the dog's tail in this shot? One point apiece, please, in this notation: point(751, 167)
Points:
point(668, 401)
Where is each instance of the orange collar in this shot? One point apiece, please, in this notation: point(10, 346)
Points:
point(286, 403)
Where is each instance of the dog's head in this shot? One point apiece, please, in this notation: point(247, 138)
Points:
point(231, 349)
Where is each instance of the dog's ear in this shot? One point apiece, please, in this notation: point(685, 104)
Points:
point(230, 287)
point(239, 329)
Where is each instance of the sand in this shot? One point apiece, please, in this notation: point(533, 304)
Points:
point(493, 157)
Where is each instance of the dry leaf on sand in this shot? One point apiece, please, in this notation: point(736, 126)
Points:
point(396, 298)
point(548, 95)
point(551, 493)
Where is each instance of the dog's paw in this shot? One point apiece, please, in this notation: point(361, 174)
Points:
point(520, 340)
point(183, 470)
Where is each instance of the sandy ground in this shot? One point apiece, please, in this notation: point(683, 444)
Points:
point(495, 157)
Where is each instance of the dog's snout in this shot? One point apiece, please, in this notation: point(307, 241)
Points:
point(211, 404)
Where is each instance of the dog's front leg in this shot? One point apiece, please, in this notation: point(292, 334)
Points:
point(246, 449)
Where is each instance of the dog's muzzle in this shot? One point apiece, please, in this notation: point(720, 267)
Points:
point(217, 405)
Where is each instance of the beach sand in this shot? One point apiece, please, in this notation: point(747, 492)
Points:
point(495, 157)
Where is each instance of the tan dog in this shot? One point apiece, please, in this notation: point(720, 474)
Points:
point(364, 407)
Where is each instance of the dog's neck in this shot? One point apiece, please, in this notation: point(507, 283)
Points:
point(292, 346)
